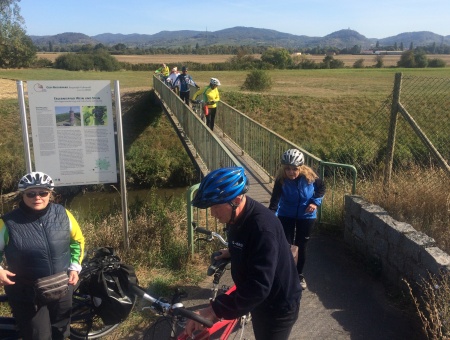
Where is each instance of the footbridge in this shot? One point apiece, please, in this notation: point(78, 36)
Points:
point(238, 140)
point(342, 301)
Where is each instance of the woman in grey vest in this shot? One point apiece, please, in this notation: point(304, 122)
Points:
point(40, 239)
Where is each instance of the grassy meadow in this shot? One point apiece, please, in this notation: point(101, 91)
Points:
point(318, 103)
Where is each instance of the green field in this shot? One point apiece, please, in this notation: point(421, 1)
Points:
point(313, 108)
point(315, 83)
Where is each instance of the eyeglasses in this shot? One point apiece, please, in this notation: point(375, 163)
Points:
point(33, 194)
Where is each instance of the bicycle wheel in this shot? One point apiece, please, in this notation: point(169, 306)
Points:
point(85, 323)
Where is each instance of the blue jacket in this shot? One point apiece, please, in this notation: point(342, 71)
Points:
point(184, 80)
point(262, 266)
point(291, 198)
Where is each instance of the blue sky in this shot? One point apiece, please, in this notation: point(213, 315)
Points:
point(373, 19)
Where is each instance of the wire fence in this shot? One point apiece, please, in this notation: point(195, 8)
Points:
point(402, 159)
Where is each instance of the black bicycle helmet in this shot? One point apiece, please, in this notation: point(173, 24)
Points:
point(293, 157)
point(221, 186)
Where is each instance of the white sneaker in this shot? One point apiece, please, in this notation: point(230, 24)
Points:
point(302, 281)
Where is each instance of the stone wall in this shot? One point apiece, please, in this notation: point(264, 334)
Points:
point(396, 247)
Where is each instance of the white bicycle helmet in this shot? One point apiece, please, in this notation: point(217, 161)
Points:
point(293, 157)
point(36, 180)
point(214, 81)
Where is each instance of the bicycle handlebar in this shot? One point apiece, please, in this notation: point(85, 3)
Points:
point(211, 234)
point(175, 309)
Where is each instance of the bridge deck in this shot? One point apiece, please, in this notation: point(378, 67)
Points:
point(260, 184)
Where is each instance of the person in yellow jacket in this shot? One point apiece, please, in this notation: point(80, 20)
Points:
point(38, 239)
point(210, 98)
point(163, 70)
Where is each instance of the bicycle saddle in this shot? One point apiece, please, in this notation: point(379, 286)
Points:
point(218, 265)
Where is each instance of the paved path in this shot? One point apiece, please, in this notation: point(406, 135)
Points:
point(343, 301)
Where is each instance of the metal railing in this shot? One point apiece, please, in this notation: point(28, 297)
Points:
point(265, 147)
point(207, 146)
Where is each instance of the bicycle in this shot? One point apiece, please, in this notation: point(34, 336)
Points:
point(174, 313)
point(85, 322)
point(197, 107)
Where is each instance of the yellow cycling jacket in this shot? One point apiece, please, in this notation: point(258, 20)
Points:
point(209, 95)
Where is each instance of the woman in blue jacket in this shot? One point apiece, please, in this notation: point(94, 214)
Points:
point(296, 196)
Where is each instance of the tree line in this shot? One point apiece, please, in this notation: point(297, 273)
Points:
point(122, 49)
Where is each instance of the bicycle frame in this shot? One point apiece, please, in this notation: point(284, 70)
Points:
point(197, 107)
point(228, 324)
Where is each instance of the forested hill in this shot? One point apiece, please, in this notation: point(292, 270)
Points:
point(240, 36)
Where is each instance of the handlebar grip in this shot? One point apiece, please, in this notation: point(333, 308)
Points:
point(203, 231)
point(193, 316)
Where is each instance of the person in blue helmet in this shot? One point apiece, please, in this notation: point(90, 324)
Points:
point(262, 266)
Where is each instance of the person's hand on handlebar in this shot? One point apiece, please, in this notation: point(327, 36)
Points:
point(194, 326)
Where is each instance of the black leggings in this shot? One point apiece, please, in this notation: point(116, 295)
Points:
point(185, 97)
point(211, 117)
point(297, 232)
point(51, 321)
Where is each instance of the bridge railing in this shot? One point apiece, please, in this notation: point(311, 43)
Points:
point(207, 146)
point(266, 147)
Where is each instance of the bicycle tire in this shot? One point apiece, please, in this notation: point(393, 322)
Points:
point(85, 323)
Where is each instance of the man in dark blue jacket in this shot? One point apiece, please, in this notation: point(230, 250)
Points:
point(183, 81)
point(262, 265)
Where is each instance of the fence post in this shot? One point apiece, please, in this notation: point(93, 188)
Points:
point(392, 131)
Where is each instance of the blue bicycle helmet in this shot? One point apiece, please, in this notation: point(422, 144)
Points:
point(221, 186)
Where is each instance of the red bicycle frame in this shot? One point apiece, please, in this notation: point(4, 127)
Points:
point(207, 332)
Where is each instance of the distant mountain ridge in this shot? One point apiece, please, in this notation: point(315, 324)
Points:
point(238, 36)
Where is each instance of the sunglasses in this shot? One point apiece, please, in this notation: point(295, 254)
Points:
point(33, 194)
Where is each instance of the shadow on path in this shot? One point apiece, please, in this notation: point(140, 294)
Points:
point(343, 301)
